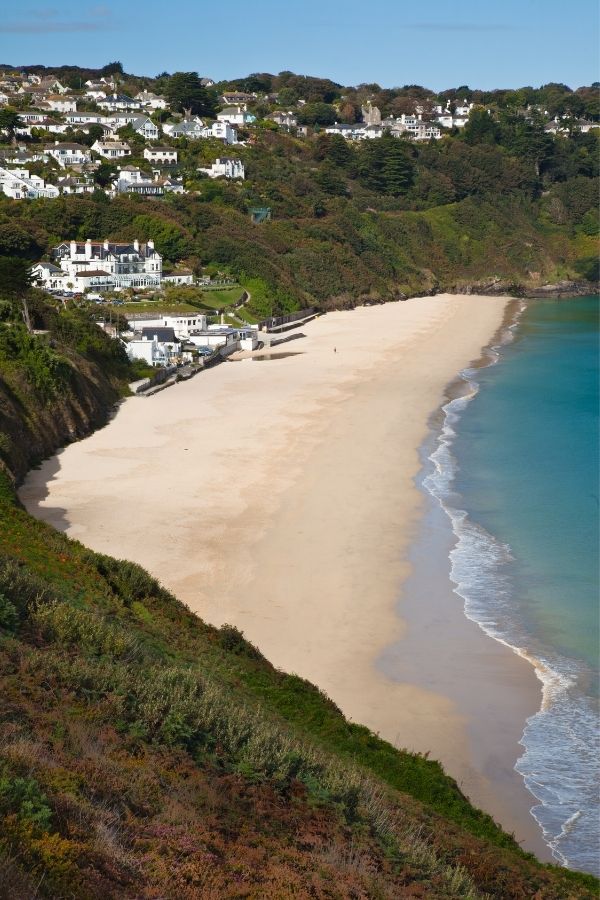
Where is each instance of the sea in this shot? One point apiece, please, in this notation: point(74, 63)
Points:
point(515, 467)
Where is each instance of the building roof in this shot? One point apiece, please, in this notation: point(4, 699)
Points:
point(66, 146)
point(91, 273)
point(49, 266)
point(164, 335)
point(161, 150)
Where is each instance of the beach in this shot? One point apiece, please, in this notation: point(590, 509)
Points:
point(277, 494)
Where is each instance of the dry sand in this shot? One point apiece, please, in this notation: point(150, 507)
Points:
point(279, 496)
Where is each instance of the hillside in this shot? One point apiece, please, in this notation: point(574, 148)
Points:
point(500, 201)
point(145, 754)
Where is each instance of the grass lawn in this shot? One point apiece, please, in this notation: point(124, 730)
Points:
point(222, 299)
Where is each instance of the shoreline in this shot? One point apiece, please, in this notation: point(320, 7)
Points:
point(281, 522)
point(428, 630)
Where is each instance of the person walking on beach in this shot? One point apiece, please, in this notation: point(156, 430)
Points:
point(335, 349)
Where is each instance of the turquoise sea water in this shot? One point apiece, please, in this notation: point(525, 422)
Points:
point(517, 470)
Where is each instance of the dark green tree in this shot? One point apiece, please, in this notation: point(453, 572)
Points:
point(481, 128)
point(317, 114)
point(398, 167)
point(9, 120)
point(184, 90)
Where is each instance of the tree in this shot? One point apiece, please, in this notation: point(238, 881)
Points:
point(113, 68)
point(184, 90)
point(15, 284)
point(105, 173)
point(398, 168)
point(317, 114)
point(481, 128)
point(9, 120)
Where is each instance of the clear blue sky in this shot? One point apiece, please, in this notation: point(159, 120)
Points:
point(438, 44)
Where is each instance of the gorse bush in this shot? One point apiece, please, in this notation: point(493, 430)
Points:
point(67, 625)
point(23, 588)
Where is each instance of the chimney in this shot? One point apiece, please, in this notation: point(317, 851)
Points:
point(136, 245)
point(106, 245)
point(150, 244)
point(88, 249)
point(73, 248)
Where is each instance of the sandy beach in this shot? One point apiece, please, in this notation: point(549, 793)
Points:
point(277, 494)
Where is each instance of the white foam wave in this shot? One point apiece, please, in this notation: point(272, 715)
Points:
point(560, 760)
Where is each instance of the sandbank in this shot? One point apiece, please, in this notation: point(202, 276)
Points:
point(278, 495)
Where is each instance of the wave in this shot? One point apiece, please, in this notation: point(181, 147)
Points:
point(559, 764)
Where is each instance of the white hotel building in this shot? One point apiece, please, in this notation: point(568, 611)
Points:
point(110, 265)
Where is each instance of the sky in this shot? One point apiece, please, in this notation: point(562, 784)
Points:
point(439, 44)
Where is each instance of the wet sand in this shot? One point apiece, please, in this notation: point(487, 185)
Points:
point(280, 498)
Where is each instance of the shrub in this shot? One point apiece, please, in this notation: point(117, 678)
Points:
point(8, 614)
point(24, 797)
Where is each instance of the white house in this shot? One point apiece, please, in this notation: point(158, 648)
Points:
point(187, 128)
point(94, 279)
point(354, 132)
point(415, 128)
point(68, 154)
point(183, 324)
point(225, 167)
point(239, 98)
point(236, 115)
point(70, 184)
point(285, 120)
point(94, 94)
point(33, 116)
point(223, 131)
point(51, 125)
point(144, 186)
point(166, 156)
point(157, 346)
point(84, 118)
point(215, 337)
point(18, 184)
point(115, 102)
point(48, 277)
point(150, 100)
point(112, 149)
point(60, 103)
point(181, 276)
point(127, 265)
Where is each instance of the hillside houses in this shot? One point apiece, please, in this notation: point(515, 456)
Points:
point(56, 121)
point(412, 127)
